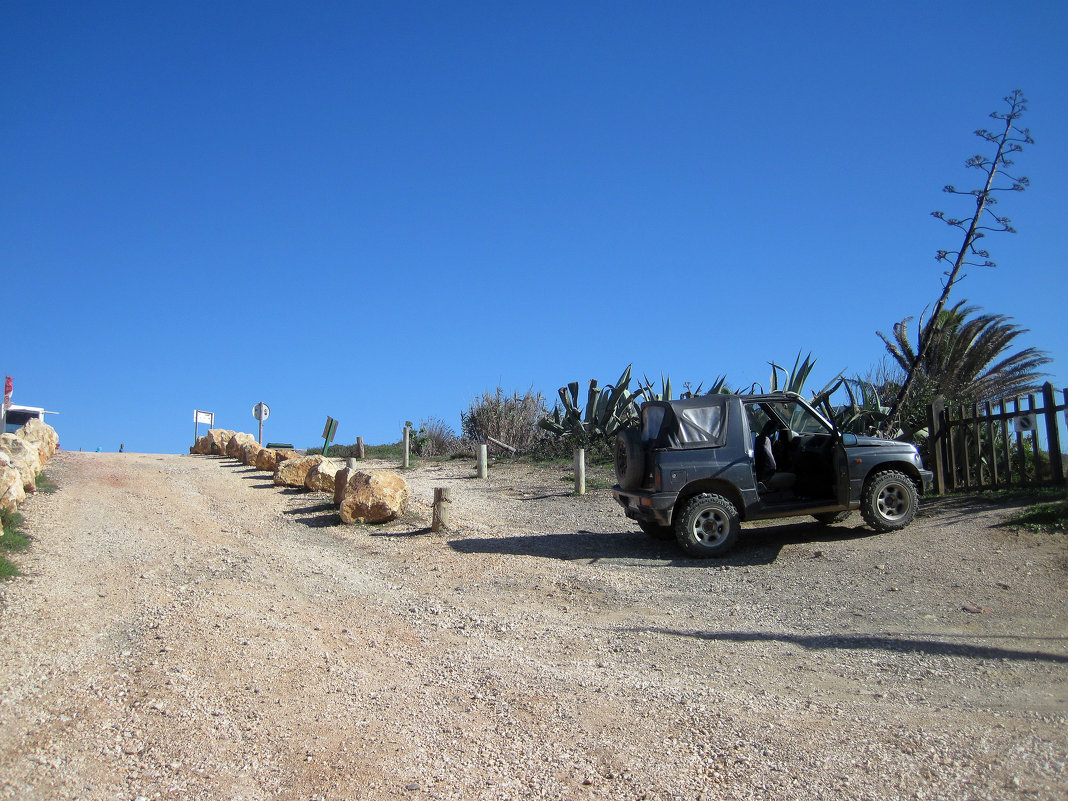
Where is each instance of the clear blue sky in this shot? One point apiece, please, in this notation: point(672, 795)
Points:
point(378, 210)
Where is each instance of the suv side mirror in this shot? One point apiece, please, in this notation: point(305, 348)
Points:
point(849, 439)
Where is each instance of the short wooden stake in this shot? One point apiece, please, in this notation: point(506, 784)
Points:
point(480, 455)
point(580, 471)
point(407, 445)
point(360, 453)
point(442, 508)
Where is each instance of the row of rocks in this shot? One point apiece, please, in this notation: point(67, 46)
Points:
point(362, 496)
point(22, 456)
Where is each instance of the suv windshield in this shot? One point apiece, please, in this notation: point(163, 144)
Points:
point(799, 417)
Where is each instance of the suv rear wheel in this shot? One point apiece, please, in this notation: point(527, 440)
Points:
point(889, 501)
point(708, 526)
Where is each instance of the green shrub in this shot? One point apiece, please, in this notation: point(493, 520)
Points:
point(511, 419)
point(434, 437)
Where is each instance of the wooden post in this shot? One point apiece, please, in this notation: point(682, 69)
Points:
point(360, 453)
point(1005, 424)
point(480, 460)
point(442, 507)
point(500, 444)
point(935, 420)
point(1021, 454)
point(1053, 434)
point(407, 445)
point(954, 476)
point(580, 471)
point(1036, 443)
point(991, 431)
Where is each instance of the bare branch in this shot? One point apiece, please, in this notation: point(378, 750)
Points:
point(1006, 144)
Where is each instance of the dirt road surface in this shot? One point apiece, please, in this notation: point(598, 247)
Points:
point(184, 629)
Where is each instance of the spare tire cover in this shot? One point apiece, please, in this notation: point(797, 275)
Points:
point(629, 459)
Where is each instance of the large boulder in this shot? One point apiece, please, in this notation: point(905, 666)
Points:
point(321, 477)
point(24, 457)
point(42, 435)
point(247, 453)
point(237, 441)
point(267, 459)
point(12, 493)
point(374, 496)
point(214, 442)
point(294, 472)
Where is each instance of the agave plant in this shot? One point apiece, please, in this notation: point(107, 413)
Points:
point(864, 412)
point(608, 409)
point(651, 394)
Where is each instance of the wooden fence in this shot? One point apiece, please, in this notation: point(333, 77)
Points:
point(1011, 443)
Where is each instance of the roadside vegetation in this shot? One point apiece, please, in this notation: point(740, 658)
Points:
point(1045, 510)
point(12, 539)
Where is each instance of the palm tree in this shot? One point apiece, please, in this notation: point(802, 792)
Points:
point(966, 360)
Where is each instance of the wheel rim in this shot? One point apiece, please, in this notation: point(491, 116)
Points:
point(894, 501)
point(711, 526)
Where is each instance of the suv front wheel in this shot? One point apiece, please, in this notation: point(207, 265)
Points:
point(889, 501)
point(708, 526)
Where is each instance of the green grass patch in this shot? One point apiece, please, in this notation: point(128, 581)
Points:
point(45, 484)
point(1043, 517)
point(1021, 495)
point(12, 539)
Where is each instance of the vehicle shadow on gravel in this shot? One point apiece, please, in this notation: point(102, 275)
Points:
point(904, 644)
point(757, 546)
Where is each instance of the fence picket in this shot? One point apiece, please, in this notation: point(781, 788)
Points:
point(991, 429)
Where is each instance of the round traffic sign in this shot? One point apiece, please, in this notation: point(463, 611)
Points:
point(261, 411)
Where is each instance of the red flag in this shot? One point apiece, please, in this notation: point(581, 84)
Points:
point(8, 384)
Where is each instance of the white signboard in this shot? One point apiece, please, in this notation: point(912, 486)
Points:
point(204, 417)
point(261, 411)
point(1025, 423)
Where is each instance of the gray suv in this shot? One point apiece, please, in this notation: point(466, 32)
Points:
point(699, 466)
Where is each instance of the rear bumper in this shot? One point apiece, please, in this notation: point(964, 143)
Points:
point(654, 507)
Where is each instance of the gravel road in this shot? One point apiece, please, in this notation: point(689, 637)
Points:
point(185, 629)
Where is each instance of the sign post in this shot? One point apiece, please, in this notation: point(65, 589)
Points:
point(201, 417)
point(261, 411)
point(328, 434)
point(8, 386)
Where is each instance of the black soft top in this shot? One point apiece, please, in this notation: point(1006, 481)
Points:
point(699, 422)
